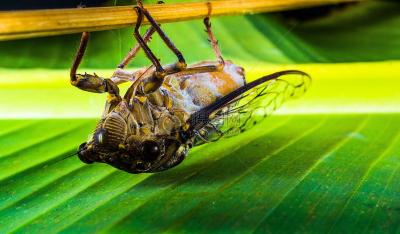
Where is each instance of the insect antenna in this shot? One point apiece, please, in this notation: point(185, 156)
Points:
point(63, 157)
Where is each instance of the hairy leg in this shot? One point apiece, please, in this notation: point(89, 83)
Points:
point(132, 53)
point(181, 64)
point(88, 82)
point(146, 37)
point(213, 41)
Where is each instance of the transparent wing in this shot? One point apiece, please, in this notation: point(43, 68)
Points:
point(248, 106)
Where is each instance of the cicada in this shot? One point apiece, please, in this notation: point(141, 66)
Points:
point(169, 109)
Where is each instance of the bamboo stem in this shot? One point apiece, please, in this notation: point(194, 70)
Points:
point(36, 23)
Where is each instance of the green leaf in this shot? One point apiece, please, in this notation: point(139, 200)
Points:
point(302, 172)
point(327, 162)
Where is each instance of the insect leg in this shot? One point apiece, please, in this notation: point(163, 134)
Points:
point(181, 64)
point(216, 49)
point(143, 44)
point(88, 82)
point(200, 69)
point(156, 80)
point(213, 40)
point(132, 53)
point(79, 55)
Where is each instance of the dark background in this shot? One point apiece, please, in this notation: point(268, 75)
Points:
point(47, 4)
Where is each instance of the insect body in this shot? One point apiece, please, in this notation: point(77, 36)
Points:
point(167, 110)
point(149, 126)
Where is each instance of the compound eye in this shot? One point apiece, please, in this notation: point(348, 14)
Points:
point(82, 146)
point(82, 154)
point(151, 150)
